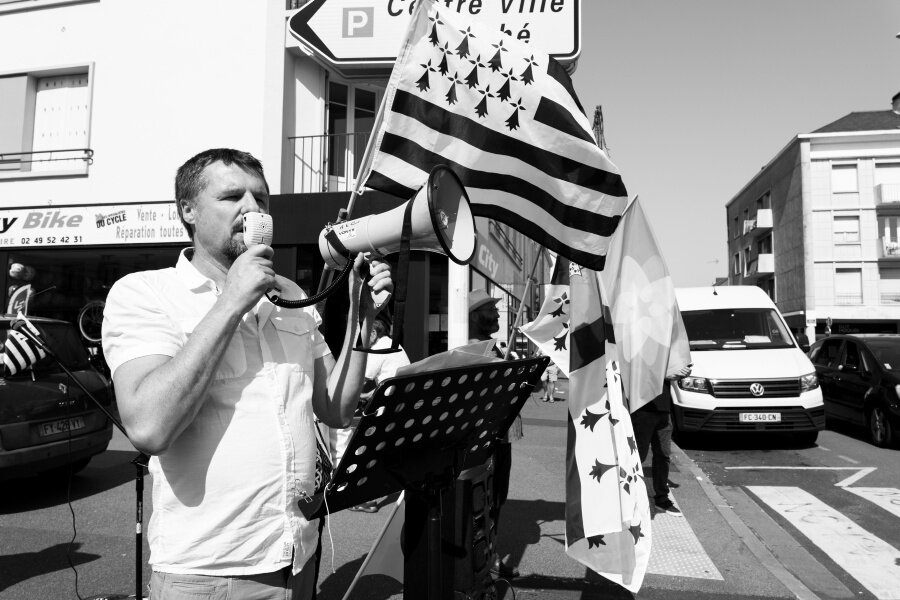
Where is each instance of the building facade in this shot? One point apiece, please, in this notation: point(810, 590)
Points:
point(102, 101)
point(817, 227)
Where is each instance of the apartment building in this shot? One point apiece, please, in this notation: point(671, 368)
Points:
point(817, 227)
point(101, 101)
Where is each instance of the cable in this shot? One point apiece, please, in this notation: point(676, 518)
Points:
point(69, 496)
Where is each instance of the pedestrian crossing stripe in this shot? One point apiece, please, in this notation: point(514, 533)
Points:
point(874, 563)
point(886, 498)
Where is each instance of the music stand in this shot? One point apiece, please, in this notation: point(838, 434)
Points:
point(417, 434)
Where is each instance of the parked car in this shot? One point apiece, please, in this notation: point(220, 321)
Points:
point(47, 422)
point(860, 379)
point(748, 374)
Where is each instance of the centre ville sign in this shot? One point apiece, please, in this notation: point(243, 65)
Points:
point(368, 33)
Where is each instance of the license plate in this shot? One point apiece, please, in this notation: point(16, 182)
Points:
point(61, 426)
point(759, 417)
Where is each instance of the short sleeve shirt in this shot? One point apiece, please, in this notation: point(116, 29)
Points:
point(225, 492)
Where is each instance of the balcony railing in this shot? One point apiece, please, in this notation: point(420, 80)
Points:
point(46, 161)
point(847, 299)
point(890, 249)
point(890, 297)
point(327, 163)
point(888, 193)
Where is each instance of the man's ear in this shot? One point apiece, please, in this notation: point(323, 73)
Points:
point(187, 212)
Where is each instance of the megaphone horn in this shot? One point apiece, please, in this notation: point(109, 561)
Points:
point(441, 220)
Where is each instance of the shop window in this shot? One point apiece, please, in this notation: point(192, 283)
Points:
point(44, 123)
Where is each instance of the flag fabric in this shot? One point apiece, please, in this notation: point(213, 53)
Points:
point(505, 118)
point(386, 555)
point(649, 331)
point(20, 351)
point(550, 329)
point(607, 507)
point(18, 300)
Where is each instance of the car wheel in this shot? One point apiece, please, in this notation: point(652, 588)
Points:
point(880, 431)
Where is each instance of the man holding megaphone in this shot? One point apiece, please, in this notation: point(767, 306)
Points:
point(221, 387)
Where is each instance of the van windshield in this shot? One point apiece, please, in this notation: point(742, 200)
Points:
point(735, 329)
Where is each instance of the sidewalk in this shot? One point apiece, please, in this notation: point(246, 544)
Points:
point(706, 553)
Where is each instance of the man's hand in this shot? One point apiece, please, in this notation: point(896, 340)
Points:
point(679, 373)
point(380, 285)
point(251, 276)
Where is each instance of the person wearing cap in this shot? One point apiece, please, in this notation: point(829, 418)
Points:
point(484, 320)
point(378, 368)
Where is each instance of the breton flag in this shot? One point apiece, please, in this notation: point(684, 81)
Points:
point(649, 331)
point(20, 351)
point(506, 119)
point(550, 329)
point(607, 508)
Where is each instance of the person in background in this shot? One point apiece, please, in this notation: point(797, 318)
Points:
point(550, 377)
point(379, 368)
point(484, 321)
point(220, 387)
point(653, 428)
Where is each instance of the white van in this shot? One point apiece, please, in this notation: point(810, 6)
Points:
point(748, 372)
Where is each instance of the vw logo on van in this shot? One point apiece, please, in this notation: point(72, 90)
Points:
point(757, 389)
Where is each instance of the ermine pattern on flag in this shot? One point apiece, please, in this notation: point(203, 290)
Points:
point(550, 329)
point(506, 119)
point(607, 508)
point(20, 352)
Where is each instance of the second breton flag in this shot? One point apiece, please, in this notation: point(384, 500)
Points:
point(506, 119)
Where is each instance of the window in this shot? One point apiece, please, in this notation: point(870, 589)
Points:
point(843, 179)
point(848, 286)
point(887, 173)
point(735, 231)
point(351, 118)
point(764, 201)
point(764, 245)
point(827, 353)
point(736, 263)
point(746, 261)
point(44, 123)
point(846, 230)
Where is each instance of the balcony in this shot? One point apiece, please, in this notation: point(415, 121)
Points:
point(327, 163)
point(887, 199)
point(761, 224)
point(760, 267)
point(45, 163)
point(843, 299)
point(888, 251)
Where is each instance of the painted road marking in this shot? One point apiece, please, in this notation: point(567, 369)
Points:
point(860, 471)
point(886, 498)
point(848, 459)
point(866, 557)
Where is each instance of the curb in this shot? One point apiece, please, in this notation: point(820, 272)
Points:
point(744, 533)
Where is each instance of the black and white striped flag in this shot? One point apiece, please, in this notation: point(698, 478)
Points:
point(20, 351)
point(506, 119)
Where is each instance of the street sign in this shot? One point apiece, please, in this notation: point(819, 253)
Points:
point(361, 33)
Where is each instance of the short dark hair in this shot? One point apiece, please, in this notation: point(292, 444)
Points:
point(380, 328)
point(189, 180)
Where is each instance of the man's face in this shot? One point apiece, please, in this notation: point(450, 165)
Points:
point(486, 318)
point(217, 212)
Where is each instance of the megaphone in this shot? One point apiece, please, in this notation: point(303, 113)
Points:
point(441, 221)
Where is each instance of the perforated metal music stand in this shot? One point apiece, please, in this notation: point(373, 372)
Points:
point(417, 434)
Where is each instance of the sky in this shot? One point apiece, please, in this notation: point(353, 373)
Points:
point(698, 95)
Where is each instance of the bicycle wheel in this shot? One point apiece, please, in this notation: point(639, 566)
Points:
point(90, 320)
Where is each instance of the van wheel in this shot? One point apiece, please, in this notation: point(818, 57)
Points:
point(880, 431)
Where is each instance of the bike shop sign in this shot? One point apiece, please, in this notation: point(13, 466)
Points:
point(95, 225)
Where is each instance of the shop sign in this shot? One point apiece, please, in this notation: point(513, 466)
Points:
point(96, 225)
point(369, 32)
point(494, 263)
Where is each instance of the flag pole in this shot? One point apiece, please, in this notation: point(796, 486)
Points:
point(515, 325)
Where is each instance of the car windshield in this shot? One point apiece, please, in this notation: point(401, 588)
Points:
point(735, 329)
point(62, 339)
point(887, 352)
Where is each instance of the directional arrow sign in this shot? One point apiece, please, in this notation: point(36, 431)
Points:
point(369, 32)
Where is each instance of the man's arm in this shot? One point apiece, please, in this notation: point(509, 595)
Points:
point(159, 396)
point(335, 401)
